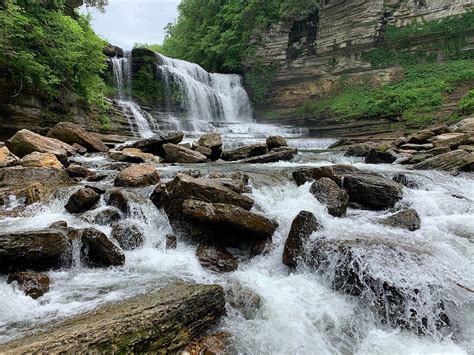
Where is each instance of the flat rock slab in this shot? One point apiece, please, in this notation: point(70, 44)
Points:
point(457, 159)
point(19, 176)
point(160, 322)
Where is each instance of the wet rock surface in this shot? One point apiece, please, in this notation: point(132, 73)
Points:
point(154, 145)
point(138, 176)
point(178, 154)
point(20, 176)
point(160, 321)
point(82, 200)
point(244, 152)
point(330, 195)
point(407, 219)
point(275, 142)
point(33, 284)
point(99, 250)
point(216, 258)
point(128, 234)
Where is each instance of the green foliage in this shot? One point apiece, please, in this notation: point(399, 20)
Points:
point(259, 80)
point(417, 96)
point(153, 47)
point(466, 106)
point(51, 51)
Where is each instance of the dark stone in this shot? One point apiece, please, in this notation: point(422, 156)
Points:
point(380, 157)
point(216, 258)
point(405, 181)
point(128, 235)
point(406, 219)
point(98, 250)
point(107, 216)
point(244, 152)
point(171, 241)
point(78, 171)
point(304, 175)
point(359, 149)
point(304, 224)
point(33, 284)
point(330, 195)
point(155, 144)
point(82, 200)
point(275, 155)
point(276, 142)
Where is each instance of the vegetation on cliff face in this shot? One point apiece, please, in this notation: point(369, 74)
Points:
point(51, 52)
point(434, 67)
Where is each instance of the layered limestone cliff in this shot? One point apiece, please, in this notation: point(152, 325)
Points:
point(310, 55)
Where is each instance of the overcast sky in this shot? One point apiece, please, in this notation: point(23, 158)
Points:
point(126, 22)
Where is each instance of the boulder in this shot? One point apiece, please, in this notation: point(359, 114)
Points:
point(466, 125)
point(171, 196)
point(456, 159)
point(330, 195)
point(275, 142)
point(154, 145)
point(243, 298)
point(107, 216)
point(451, 140)
point(120, 199)
point(405, 181)
point(275, 155)
point(227, 221)
point(34, 193)
point(33, 284)
point(78, 171)
point(212, 141)
point(406, 219)
point(440, 129)
point(158, 322)
point(25, 142)
point(360, 149)
point(40, 160)
point(79, 149)
point(426, 146)
point(211, 344)
point(420, 137)
point(304, 224)
point(128, 234)
point(204, 151)
point(304, 175)
point(82, 200)
point(19, 176)
point(372, 191)
point(7, 158)
point(244, 152)
point(377, 156)
point(138, 176)
point(178, 154)
point(98, 250)
point(132, 155)
point(216, 258)
point(72, 133)
point(353, 266)
point(438, 151)
point(37, 250)
point(171, 241)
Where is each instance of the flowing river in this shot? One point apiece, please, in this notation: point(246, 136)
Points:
point(300, 312)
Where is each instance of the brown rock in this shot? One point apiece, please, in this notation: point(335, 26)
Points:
point(330, 195)
point(98, 250)
point(107, 216)
point(457, 159)
point(275, 142)
point(244, 152)
point(128, 234)
point(212, 141)
point(132, 155)
point(33, 284)
point(138, 176)
point(71, 133)
point(178, 154)
point(171, 241)
point(154, 145)
point(35, 192)
point(213, 344)
point(40, 160)
point(19, 176)
point(377, 156)
point(420, 137)
point(406, 219)
point(78, 171)
point(275, 155)
point(25, 142)
point(304, 175)
point(360, 149)
point(82, 200)
point(204, 151)
point(466, 125)
point(451, 140)
point(304, 224)
point(7, 158)
point(79, 149)
point(216, 258)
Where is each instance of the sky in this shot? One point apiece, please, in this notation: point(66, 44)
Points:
point(126, 22)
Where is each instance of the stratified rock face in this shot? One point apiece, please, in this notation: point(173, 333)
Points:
point(227, 220)
point(25, 142)
point(19, 176)
point(100, 250)
point(304, 224)
point(37, 250)
point(216, 258)
point(138, 176)
point(40, 160)
point(71, 133)
point(330, 195)
point(128, 235)
point(162, 321)
point(179, 154)
point(33, 284)
point(82, 200)
point(247, 151)
point(457, 159)
point(407, 219)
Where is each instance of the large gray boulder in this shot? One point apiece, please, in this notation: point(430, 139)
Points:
point(330, 195)
point(245, 152)
point(179, 154)
point(72, 133)
point(158, 322)
point(154, 145)
point(37, 250)
point(212, 141)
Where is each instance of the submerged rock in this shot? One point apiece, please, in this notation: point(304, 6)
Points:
point(304, 224)
point(33, 284)
point(216, 258)
point(213, 344)
point(128, 234)
point(407, 219)
point(330, 195)
point(100, 250)
point(138, 176)
point(107, 216)
point(178, 154)
point(82, 200)
point(160, 321)
point(72, 133)
point(247, 151)
point(243, 298)
point(35, 192)
point(36, 250)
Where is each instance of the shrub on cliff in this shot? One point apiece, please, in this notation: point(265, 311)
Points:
point(49, 51)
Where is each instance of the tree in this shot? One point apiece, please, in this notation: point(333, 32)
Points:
point(100, 4)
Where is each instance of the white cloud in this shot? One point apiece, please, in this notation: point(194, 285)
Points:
point(126, 22)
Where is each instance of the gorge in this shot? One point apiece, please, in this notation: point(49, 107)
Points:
point(185, 216)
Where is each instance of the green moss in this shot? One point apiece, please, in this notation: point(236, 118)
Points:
point(466, 106)
point(259, 82)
